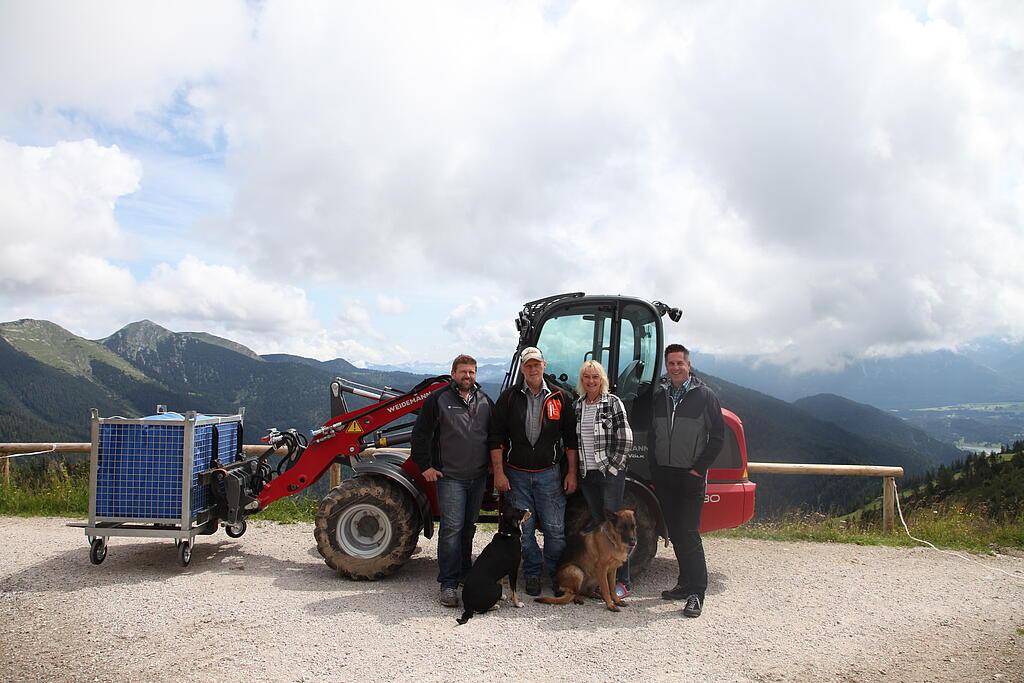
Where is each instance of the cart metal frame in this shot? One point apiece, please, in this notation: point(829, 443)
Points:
point(182, 530)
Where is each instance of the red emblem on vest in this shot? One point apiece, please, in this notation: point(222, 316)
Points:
point(554, 410)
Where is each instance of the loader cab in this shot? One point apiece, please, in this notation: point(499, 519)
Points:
point(624, 334)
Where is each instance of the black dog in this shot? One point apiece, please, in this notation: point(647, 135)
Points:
point(482, 587)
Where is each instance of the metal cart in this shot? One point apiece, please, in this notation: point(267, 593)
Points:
point(145, 477)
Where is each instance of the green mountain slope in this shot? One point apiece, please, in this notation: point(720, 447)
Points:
point(778, 431)
point(224, 343)
point(217, 379)
point(877, 425)
point(52, 345)
point(987, 485)
point(41, 403)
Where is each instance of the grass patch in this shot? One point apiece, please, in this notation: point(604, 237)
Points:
point(50, 491)
point(289, 510)
point(54, 491)
point(954, 527)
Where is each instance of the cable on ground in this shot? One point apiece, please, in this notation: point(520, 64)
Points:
point(899, 509)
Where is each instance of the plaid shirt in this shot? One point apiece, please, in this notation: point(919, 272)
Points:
point(677, 393)
point(612, 436)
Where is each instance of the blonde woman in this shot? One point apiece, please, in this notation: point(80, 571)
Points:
point(604, 440)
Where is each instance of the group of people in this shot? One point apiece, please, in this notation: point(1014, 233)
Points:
point(541, 446)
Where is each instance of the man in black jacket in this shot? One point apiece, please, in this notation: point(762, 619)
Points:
point(449, 444)
point(685, 436)
point(535, 426)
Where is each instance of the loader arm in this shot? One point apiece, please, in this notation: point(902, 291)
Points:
point(343, 437)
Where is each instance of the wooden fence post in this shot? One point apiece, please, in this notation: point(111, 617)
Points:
point(5, 468)
point(335, 475)
point(888, 504)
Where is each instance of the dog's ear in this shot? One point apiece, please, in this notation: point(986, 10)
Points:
point(610, 516)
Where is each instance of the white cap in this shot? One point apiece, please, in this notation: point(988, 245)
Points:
point(530, 353)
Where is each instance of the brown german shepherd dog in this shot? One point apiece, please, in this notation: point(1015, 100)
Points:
point(592, 559)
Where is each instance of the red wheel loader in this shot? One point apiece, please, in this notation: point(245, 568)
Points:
point(368, 527)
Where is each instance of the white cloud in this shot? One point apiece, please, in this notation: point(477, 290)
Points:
point(122, 60)
point(464, 314)
point(815, 181)
point(198, 291)
point(57, 218)
point(59, 238)
point(474, 329)
point(391, 305)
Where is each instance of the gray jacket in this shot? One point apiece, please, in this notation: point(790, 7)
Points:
point(451, 435)
point(688, 435)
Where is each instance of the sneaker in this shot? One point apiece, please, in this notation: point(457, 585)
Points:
point(448, 597)
point(692, 608)
point(677, 592)
point(533, 585)
point(621, 590)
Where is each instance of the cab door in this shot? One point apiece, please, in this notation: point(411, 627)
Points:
point(624, 336)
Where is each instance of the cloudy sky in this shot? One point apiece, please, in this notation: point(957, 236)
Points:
point(390, 181)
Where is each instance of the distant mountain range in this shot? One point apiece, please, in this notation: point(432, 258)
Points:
point(51, 378)
point(987, 371)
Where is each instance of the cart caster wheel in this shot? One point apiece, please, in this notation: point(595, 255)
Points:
point(235, 530)
point(98, 551)
point(185, 553)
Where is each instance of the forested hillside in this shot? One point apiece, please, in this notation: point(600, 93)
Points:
point(991, 485)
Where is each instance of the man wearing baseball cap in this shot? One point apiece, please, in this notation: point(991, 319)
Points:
point(533, 433)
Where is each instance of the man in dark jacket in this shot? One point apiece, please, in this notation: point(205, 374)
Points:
point(535, 426)
point(449, 444)
point(685, 436)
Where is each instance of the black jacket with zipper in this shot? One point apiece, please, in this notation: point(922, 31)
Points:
point(688, 435)
point(508, 428)
point(450, 435)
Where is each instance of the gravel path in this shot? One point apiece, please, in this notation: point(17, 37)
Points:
point(266, 607)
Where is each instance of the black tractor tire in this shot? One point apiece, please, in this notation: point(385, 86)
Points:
point(646, 533)
point(367, 528)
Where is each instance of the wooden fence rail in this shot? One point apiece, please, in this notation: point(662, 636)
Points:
point(888, 474)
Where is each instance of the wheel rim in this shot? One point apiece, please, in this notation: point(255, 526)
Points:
point(363, 531)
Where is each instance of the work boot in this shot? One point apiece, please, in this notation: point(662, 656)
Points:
point(533, 585)
point(677, 592)
point(448, 597)
point(693, 606)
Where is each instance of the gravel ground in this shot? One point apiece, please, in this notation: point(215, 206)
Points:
point(266, 607)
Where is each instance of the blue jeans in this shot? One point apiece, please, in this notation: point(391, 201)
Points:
point(541, 493)
point(605, 492)
point(459, 501)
